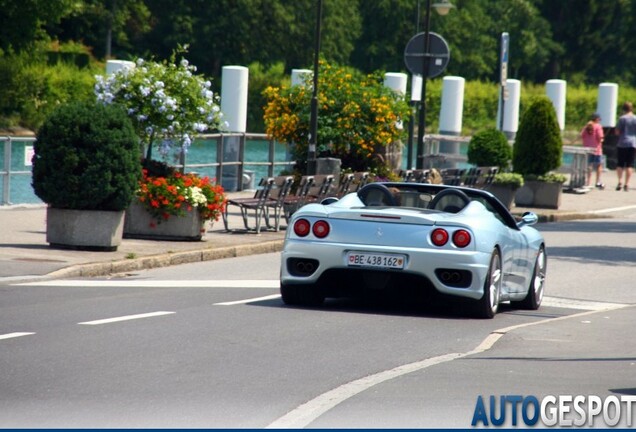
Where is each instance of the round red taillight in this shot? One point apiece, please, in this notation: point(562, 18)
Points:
point(461, 238)
point(301, 227)
point(321, 229)
point(439, 237)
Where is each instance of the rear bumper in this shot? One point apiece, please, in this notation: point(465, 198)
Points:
point(420, 267)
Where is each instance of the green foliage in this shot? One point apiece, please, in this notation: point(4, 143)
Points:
point(508, 178)
point(30, 89)
point(538, 145)
point(548, 178)
point(227, 32)
point(489, 148)
point(23, 22)
point(480, 105)
point(87, 158)
point(260, 78)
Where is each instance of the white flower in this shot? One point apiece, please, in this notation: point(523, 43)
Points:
point(197, 197)
point(167, 102)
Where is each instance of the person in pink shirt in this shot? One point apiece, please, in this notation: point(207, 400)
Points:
point(592, 136)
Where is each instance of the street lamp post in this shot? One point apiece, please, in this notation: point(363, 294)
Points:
point(313, 121)
point(443, 7)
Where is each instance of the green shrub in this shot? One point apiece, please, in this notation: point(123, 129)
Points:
point(548, 178)
point(508, 178)
point(30, 89)
point(87, 157)
point(260, 78)
point(489, 148)
point(538, 145)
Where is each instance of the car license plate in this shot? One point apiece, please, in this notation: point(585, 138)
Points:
point(381, 260)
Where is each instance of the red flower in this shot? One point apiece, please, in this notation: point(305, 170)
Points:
point(173, 195)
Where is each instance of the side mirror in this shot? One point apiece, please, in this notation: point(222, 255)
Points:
point(528, 218)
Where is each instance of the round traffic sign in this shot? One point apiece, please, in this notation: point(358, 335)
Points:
point(438, 55)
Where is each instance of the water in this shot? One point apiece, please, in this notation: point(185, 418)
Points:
point(201, 152)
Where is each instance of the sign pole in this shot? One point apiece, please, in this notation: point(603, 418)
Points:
point(503, 76)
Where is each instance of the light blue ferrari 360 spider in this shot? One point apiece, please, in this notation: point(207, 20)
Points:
point(455, 241)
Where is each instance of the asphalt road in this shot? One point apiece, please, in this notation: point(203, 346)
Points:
point(210, 345)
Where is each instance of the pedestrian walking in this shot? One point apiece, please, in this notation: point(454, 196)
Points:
point(626, 147)
point(592, 137)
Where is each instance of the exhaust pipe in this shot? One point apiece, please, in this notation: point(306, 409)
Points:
point(301, 266)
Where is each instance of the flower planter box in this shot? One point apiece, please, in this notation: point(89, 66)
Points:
point(93, 230)
point(504, 193)
point(140, 224)
point(539, 194)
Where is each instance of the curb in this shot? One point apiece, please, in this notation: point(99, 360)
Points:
point(164, 260)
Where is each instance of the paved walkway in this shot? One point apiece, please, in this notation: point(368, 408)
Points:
point(25, 254)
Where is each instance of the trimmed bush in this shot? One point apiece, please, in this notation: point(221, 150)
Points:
point(538, 145)
point(489, 148)
point(87, 157)
point(508, 179)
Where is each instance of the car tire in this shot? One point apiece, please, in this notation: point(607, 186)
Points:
point(301, 295)
point(488, 305)
point(533, 299)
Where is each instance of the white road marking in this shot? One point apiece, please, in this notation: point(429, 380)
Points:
point(126, 318)
point(615, 209)
point(579, 304)
point(157, 283)
point(250, 300)
point(15, 335)
point(305, 414)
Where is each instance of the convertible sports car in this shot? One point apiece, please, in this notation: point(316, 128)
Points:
point(456, 241)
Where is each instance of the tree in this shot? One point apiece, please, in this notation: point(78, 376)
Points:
point(596, 39)
point(387, 26)
point(22, 22)
point(226, 32)
point(112, 25)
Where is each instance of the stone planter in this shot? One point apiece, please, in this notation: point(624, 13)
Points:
point(504, 193)
point(539, 194)
point(93, 230)
point(140, 224)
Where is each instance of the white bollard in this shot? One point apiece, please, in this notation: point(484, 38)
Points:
point(396, 81)
point(452, 109)
point(416, 88)
point(300, 76)
point(511, 109)
point(234, 97)
point(555, 89)
point(607, 103)
point(113, 66)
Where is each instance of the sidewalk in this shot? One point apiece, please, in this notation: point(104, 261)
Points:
point(25, 254)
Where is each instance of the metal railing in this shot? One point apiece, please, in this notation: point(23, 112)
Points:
point(226, 157)
point(247, 156)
